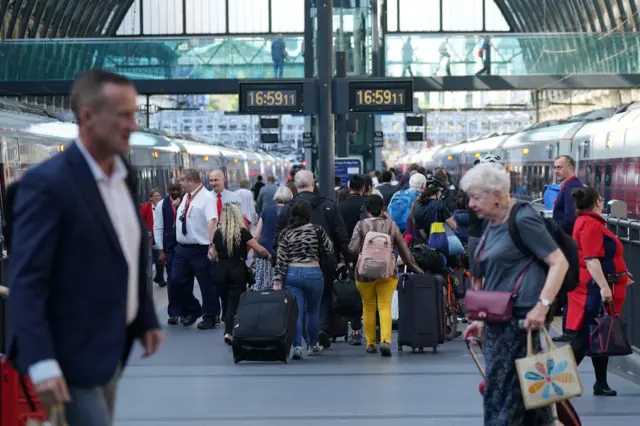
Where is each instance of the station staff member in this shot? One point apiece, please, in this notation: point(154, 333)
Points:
point(196, 221)
point(164, 234)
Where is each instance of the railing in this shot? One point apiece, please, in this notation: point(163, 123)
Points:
point(628, 231)
point(515, 54)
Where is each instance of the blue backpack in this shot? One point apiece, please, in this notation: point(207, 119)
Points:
point(400, 206)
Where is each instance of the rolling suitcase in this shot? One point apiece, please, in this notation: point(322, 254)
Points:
point(264, 326)
point(421, 303)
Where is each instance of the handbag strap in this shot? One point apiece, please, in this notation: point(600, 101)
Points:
point(544, 335)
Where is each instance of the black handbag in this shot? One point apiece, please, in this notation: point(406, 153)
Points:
point(346, 299)
point(608, 336)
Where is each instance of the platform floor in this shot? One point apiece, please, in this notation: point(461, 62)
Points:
point(193, 381)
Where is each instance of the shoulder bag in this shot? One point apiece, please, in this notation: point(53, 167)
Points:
point(492, 307)
point(608, 336)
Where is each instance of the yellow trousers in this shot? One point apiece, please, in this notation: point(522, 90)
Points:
point(380, 291)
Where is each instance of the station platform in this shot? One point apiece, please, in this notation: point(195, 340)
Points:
point(193, 381)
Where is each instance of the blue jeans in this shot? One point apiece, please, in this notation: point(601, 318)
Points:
point(307, 285)
point(93, 406)
point(278, 68)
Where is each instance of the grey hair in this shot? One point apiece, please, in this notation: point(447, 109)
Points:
point(303, 179)
point(282, 195)
point(488, 177)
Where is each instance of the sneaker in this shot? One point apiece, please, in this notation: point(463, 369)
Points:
point(355, 339)
point(314, 350)
point(372, 349)
point(297, 353)
point(385, 349)
point(324, 340)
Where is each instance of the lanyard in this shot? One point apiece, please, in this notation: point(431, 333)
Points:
point(566, 181)
point(189, 199)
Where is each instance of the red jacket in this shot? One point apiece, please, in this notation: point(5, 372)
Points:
point(146, 211)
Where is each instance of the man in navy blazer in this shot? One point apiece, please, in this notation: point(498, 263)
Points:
point(78, 273)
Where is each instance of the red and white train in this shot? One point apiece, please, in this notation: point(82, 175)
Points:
point(604, 143)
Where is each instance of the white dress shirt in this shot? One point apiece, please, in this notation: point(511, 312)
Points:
point(122, 212)
point(158, 225)
point(247, 203)
point(202, 210)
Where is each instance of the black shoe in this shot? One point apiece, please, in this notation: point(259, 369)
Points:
point(160, 281)
point(324, 339)
point(207, 324)
point(173, 320)
point(218, 320)
point(188, 320)
point(371, 349)
point(603, 390)
point(355, 339)
point(385, 349)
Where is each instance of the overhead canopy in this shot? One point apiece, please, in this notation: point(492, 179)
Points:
point(61, 18)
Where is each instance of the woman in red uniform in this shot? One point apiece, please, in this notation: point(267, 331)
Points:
point(146, 211)
point(603, 278)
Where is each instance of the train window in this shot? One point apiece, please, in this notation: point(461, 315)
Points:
point(587, 175)
point(585, 149)
point(597, 178)
point(607, 175)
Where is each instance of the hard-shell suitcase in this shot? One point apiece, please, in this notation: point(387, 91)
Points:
point(264, 326)
point(421, 303)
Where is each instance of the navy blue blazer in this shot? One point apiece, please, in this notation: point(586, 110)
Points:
point(68, 275)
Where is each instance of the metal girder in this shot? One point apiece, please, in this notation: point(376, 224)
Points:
point(420, 84)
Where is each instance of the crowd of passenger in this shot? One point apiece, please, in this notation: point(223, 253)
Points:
point(78, 274)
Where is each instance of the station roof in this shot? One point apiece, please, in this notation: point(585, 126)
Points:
point(61, 18)
point(526, 16)
point(102, 18)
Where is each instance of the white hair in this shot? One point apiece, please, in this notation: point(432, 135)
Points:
point(417, 181)
point(303, 179)
point(488, 177)
point(283, 195)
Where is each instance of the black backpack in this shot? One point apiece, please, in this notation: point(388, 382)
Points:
point(565, 243)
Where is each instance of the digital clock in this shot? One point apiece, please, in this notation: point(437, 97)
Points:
point(270, 98)
point(385, 95)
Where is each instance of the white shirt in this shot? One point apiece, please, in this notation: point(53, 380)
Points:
point(158, 225)
point(202, 210)
point(247, 203)
point(122, 212)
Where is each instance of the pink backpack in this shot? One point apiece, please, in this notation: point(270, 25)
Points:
point(376, 260)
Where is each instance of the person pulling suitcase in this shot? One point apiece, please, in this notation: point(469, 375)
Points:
point(374, 239)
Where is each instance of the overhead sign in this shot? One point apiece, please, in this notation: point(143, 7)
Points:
point(381, 95)
point(270, 98)
point(345, 167)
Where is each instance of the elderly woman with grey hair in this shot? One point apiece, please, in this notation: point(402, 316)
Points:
point(265, 234)
point(500, 266)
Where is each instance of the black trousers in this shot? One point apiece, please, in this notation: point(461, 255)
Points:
point(231, 279)
point(580, 343)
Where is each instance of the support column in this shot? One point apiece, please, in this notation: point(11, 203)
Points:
point(342, 142)
point(309, 48)
point(325, 123)
point(377, 150)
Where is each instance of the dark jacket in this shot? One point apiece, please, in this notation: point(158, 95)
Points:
point(564, 211)
point(387, 190)
point(324, 214)
point(69, 277)
point(350, 210)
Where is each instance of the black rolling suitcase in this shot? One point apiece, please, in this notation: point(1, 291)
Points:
point(421, 316)
point(264, 326)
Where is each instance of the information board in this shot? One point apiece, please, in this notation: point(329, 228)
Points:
point(345, 167)
point(270, 98)
point(381, 95)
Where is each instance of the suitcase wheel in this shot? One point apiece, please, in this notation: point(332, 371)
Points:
point(285, 360)
point(400, 349)
point(435, 349)
point(236, 359)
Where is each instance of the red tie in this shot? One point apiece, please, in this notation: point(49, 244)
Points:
point(219, 205)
